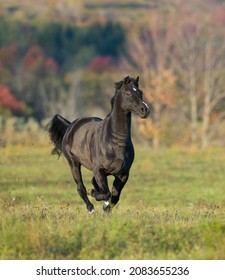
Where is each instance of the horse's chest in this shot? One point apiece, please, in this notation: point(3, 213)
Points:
point(120, 163)
point(116, 166)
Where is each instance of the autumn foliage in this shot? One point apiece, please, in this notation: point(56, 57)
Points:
point(35, 58)
point(8, 100)
point(66, 58)
point(100, 63)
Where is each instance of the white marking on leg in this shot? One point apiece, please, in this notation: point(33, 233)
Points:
point(106, 203)
point(92, 211)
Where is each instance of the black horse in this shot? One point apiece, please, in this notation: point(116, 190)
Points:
point(103, 146)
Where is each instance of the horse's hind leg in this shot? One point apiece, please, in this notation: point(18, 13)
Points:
point(76, 172)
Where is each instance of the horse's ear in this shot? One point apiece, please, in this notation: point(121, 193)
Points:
point(137, 80)
point(126, 80)
point(118, 85)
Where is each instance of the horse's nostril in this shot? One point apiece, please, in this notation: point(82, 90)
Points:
point(143, 109)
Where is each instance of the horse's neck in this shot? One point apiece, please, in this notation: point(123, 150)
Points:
point(120, 124)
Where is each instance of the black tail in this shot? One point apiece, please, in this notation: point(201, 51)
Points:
point(57, 128)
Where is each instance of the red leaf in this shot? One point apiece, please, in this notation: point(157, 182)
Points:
point(8, 100)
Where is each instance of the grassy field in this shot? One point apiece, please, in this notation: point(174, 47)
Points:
point(171, 208)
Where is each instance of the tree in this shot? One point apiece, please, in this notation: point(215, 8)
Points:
point(8, 101)
point(213, 89)
point(161, 94)
point(148, 50)
point(198, 59)
point(187, 62)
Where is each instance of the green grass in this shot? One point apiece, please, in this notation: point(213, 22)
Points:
point(171, 208)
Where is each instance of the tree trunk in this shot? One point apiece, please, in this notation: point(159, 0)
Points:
point(156, 139)
point(193, 98)
point(207, 94)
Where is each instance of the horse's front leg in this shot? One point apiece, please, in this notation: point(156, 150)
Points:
point(101, 191)
point(118, 185)
point(94, 183)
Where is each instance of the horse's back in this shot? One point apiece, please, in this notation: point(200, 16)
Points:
point(80, 127)
point(81, 121)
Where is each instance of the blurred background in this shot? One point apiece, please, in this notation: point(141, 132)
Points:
point(64, 56)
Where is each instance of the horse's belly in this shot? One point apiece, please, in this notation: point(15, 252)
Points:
point(83, 156)
point(82, 142)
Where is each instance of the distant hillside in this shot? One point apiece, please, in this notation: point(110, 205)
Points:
point(86, 11)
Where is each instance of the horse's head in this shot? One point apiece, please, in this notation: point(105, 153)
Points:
point(132, 97)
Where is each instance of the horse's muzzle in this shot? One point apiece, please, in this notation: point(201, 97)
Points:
point(144, 111)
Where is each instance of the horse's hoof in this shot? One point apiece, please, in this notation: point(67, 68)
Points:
point(92, 211)
point(106, 206)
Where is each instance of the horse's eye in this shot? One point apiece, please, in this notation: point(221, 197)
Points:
point(128, 93)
